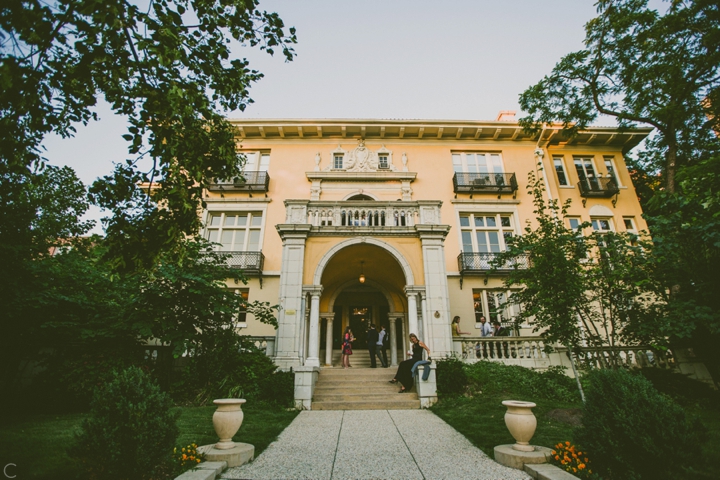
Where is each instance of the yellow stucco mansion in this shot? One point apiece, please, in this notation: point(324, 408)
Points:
point(345, 222)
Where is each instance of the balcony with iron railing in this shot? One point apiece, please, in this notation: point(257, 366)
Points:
point(495, 183)
point(254, 181)
point(598, 187)
point(476, 263)
point(250, 263)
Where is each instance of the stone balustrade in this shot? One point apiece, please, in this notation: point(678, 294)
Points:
point(354, 214)
point(265, 344)
point(524, 351)
point(633, 357)
point(530, 352)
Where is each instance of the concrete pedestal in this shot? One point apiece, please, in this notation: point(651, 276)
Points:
point(508, 456)
point(240, 454)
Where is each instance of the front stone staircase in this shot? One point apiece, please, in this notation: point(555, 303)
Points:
point(360, 387)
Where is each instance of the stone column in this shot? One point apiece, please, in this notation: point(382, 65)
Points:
point(313, 356)
point(439, 334)
point(404, 337)
point(329, 317)
point(393, 340)
point(412, 292)
point(290, 316)
point(424, 319)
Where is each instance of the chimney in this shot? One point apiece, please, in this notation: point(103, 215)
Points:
point(506, 116)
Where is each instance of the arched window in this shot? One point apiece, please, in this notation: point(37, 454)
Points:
point(361, 197)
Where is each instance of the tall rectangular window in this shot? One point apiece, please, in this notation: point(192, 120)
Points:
point(612, 172)
point(235, 231)
point(241, 317)
point(338, 161)
point(478, 306)
point(256, 161)
point(473, 162)
point(485, 233)
point(560, 171)
point(586, 172)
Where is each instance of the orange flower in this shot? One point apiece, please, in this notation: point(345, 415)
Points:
point(197, 460)
point(557, 457)
point(552, 451)
point(567, 443)
point(184, 457)
point(581, 466)
point(574, 470)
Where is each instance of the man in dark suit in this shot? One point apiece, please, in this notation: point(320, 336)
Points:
point(500, 331)
point(372, 339)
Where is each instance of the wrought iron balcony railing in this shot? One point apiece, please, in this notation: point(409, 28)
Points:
point(256, 181)
point(484, 183)
point(484, 262)
point(248, 262)
point(597, 187)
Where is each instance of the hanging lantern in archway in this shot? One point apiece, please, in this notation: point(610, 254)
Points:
point(362, 273)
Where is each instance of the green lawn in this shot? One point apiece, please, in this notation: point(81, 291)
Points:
point(37, 443)
point(481, 420)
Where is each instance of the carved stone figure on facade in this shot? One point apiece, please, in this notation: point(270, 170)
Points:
point(404, 162)
point(317, 162)
point(362, 159)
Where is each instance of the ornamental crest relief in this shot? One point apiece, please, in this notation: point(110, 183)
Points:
point(362, 159)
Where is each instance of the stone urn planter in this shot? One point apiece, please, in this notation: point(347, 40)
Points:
point(227, 420)
point(521, 422)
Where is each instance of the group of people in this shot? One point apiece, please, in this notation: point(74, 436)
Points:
point(481, 349)
point(496, 330)
point(377, 346)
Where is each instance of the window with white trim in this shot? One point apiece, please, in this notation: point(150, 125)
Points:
point(574, 223)
point(257, 161)
point(602, 225)
point(241, 317)
point(235, 231)
point(485, 233)
point(611, 170)
point(473, 162)
point(560, 171)
point(492, 304)
point(586, 171)
point(383, 163)
point(338, 161)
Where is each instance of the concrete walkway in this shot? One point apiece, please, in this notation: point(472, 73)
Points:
point(371, 444)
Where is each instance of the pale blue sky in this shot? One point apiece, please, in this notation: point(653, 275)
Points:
point(382, 59)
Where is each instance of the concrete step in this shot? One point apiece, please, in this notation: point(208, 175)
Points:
point(348, 372)
point(386, 388)
point(363, 397)
point(368, 405)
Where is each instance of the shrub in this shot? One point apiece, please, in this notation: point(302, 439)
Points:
point(278, 388)
point(682, 389)
point(187, 457)
point(130, 432)
point(496, 378)
point(451, 377)
point(632, 430)
point(226, 365)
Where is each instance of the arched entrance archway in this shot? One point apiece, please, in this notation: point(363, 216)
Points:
point(346, 301)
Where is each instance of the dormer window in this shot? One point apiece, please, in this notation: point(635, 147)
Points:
point(338, 161)
point(383, 163)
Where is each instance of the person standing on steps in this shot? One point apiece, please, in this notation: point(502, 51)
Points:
point(380, 347)
point(347, 347)
point(372, 339)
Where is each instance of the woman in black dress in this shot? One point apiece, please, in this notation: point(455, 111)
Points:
point(404, 374)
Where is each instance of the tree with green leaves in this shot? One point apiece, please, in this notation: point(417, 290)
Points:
point(655, 68)
point(640, 66)
point(582, 290)
point(168, 66)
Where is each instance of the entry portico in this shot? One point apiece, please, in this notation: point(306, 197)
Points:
point(389, 295)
